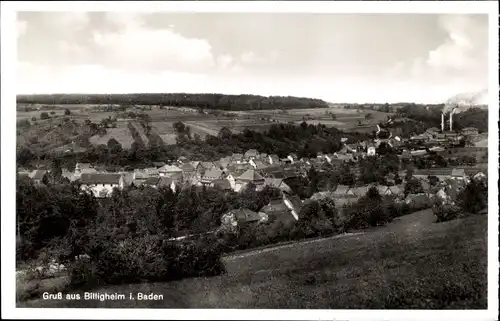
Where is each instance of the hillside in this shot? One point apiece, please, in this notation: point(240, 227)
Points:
point(413, 263)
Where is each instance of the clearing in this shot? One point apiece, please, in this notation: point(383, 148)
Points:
point(410, 263)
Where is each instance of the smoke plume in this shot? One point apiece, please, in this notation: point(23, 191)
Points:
point(464, 101)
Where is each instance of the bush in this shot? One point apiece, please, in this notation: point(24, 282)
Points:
point(147, 258)
point(446, 212)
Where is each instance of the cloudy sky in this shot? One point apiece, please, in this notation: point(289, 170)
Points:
point(336, 57)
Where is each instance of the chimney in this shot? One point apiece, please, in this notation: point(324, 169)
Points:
point(442, 122)
point(451, 121)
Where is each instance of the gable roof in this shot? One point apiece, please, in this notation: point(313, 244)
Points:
point(222, 184)
point(38, 174)
point(100, 178)
point(83, 165)
point(213, 173)
point(251, 153)
point(169, 168)
point(341, 189)
point(244, 215)
point(458, 172)
point(250, 175)
point(259, 164)
point(360, 190)
point(207, 165)
point(188, 167)
point(151, 181)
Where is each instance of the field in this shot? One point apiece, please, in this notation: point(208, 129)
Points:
point(411, 263)
point(121, 134)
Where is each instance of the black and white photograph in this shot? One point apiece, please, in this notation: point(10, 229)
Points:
point(246, 156)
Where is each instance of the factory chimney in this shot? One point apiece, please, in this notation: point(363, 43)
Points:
point(442, 122)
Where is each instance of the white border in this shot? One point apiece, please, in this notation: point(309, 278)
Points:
point(8, 74)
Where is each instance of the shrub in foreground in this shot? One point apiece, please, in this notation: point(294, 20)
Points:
point(147, 258)
point(446, 212)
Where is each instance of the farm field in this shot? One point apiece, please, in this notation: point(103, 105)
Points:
point(121, 134)
point(411, 263)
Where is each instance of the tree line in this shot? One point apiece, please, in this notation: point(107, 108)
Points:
point(198, 101)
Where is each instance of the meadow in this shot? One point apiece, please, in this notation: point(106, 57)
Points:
point(162, 120)
point(412, 263)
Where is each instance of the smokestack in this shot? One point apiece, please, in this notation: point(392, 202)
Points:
point(451, 121)
point(442, 122)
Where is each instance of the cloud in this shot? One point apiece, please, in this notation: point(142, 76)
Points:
point(136, 46)
point(457, 51)
point(65, 23)
point(460, 60)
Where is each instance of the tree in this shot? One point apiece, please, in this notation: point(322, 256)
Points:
point(474, 197)
point(368, 116)
point(224, 133)
point(67, 112)
point(114, 146)
point(44, 115)
point(179, 127)
point(33, 118)
point(413, 186)
point(52, 112)
point(334, 117)
point(313, 177)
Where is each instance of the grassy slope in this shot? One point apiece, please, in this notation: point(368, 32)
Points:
point(412, 263)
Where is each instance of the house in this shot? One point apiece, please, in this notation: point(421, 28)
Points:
point(224, 162)
point(249, 176)
point(343, 191)
point(382, 189)
point(361, 191)
point(212, 175)
point(458, 173)
point(145, 173)
point(257, 164)
point(420, 152)
point(237, 158)
point(188, 170)
point(158, 182)
point(223, 184)
point(273, 159)
point(170, 171)
point(68, 175)
point(277, 183)
point(158, 164)
point(433, 131)
point(80, 168)
point(371, 151)
point(38, 175)
point(232, 174)
point(285, 209)
point(480, 176)
point(251, 154)
point(183, 159)
point(241, 217)
point(292, 157)
point(396, 190)
point(469, 131)
point(207, 165)
point(101, 184)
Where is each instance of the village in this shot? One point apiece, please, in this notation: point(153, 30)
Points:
point(238, 171)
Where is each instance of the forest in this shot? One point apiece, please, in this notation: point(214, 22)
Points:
point(198, 101)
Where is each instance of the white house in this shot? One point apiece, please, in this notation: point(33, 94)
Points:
point(169, 171)
point(101, 184)
point(371, 151)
